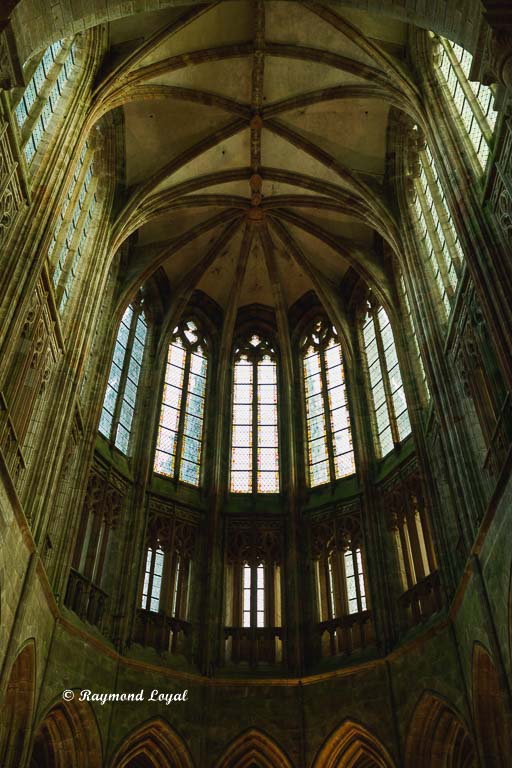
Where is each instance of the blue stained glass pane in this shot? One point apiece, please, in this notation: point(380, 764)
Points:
point(122, 438)
point(191, 449)
point(314, 405)
point(189, 472)
point(193, 426)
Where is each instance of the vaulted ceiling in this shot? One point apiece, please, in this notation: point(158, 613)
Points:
point(255, 145)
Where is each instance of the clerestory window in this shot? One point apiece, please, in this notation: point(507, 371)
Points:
point(121, 394)
point(391, 417)
point(71, 231)
point(36, 107)
point(181, 429)
point(436, 231)
point(329, 436)
point(254, 432)
point(472, 100)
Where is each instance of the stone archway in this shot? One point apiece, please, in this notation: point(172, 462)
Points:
point(68, 737)
point(35, 31)
point(488, 711)
point(253, 749)
point(438, 736)
point(153, 745)
point(353, 746)
point(17, 708)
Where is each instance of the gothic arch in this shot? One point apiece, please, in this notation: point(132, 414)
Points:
point(437, 736)
point(488, 710)
point(253, 749)
point(444, 20)
point(68, 737)
point(17, 708)
point(153, 745)
point(352, 746)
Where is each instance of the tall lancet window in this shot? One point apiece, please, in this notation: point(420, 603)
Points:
point(180, 433)
point(121, 395)
point(36, 107)
point(254, 433)
point(472, 100)
point(436, 230)
point(329, 437)
point(391, 418)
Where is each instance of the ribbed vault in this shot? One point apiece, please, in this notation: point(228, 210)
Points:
point(255, 139)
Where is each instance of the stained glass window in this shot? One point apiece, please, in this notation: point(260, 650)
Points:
point(341, 583)
point(254, 434)
point(120, 397)
point(387, 391)
point(42, 94)
point(72, 232)
point(436, 230)
point(472, 100)
point(253, 596)
point(152, 580)
point(180, 433)
point(354, 581)
point(329, 437)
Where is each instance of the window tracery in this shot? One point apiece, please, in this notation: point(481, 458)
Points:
point(121, 394)
point(254, 431)
point(328, 431)
point(39, 101)
point(391, 417)
point(472, 100)
point(181, 429)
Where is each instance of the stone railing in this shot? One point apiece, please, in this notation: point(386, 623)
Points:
point(347, 634)
point(254, 645)
point(161, 632)
point(420, 601)
point(85, 599)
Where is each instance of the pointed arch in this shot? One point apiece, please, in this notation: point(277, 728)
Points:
point(17, 708)
point(154, 744)
point(488, 710)
point(67, 737)
point(437, 736)
point(353, 746)
point(251, 749)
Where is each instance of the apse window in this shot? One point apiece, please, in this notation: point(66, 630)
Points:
point(391, 417)
point(254, 431)
point(118, 410)
point(329, 435)
point(181, 428)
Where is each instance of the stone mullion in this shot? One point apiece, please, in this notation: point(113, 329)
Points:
point(327, 414)
point(357, 574)
point(181, 421)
